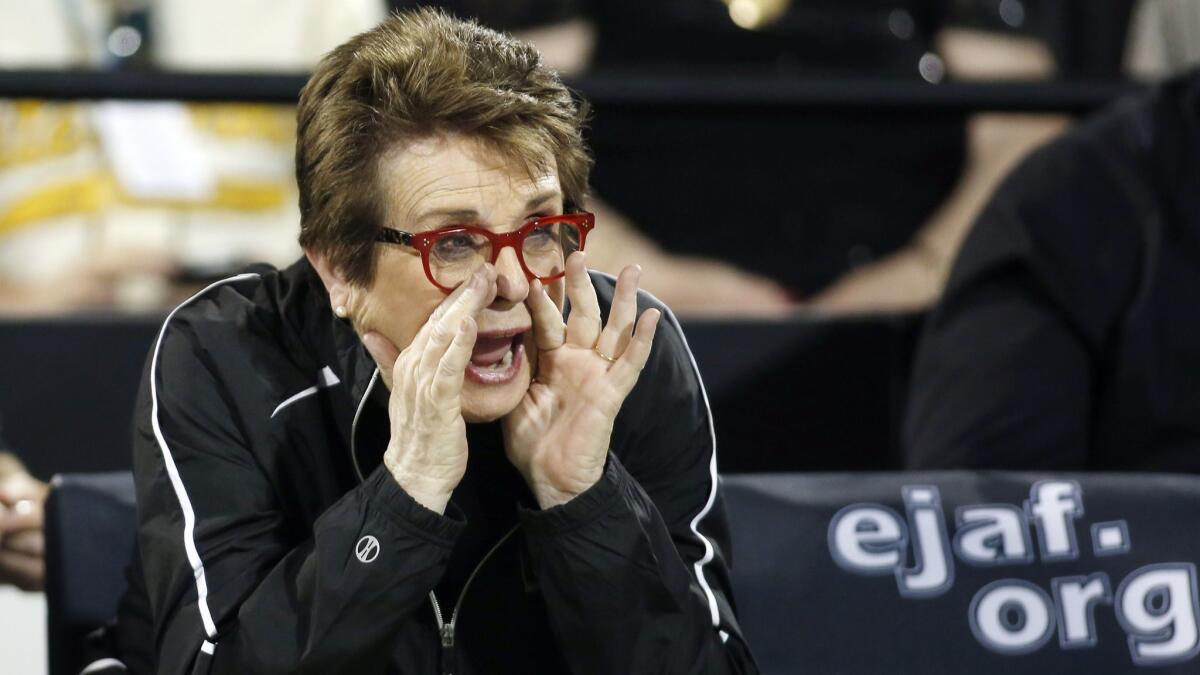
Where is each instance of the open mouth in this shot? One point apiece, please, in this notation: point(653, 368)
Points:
point(497, 356)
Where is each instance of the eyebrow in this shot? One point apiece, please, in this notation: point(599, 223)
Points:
point(472, 214)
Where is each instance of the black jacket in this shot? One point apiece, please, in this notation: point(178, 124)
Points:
point(273, 540)
point(1069, 333)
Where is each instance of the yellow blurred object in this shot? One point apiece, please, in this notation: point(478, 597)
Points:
point(273, 123)
point(66, 173)
point(94, 193)
point(756, 14)
point(34, 131)
point(64, 204)
point(89, 194)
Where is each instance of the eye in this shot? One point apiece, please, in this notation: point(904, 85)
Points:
point(456, 246)
point(544, 230)
point(542, 237)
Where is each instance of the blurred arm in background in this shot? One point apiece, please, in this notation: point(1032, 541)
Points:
point(114, 278)
point(688, 284)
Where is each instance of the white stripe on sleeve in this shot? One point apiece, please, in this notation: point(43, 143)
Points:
point(100, 665)
point(189, 516)
point(709, 552)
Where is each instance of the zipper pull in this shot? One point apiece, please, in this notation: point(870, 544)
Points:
point(447, 633)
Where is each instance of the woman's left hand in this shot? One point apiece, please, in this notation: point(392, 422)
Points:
point(558, 436)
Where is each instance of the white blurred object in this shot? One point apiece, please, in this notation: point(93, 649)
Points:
point(154, 150)
point(22, 632)
point(1164, 38)
point(280, 35)
point(45, 34)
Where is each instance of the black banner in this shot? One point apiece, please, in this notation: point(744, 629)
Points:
point(960, 572)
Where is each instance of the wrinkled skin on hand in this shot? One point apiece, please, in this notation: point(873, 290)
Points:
point(559, 434)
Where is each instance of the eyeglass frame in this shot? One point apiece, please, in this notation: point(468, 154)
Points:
point(424, 241)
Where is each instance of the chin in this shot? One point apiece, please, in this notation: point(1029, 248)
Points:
point(489, 402)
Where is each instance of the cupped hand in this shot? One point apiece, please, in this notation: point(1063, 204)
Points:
point(558, 436)
point(427, 453)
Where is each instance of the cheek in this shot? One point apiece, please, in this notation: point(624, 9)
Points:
point(399, 302)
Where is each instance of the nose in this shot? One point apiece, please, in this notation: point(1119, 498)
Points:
point(511, 282)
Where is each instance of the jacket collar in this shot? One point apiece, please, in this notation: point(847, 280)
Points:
point(328, 340)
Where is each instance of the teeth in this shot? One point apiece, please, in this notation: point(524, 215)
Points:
point(504, 363)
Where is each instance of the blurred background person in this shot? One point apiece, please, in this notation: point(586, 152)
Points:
point(861, 217)
point(1068, 337)
point(912, 277)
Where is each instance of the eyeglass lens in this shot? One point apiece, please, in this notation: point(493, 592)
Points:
point(544, 250)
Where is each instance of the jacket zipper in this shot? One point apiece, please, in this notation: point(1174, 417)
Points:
point(445, 629)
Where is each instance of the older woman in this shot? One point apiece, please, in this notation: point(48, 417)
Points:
point(396, 455)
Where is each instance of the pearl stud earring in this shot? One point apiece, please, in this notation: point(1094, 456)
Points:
point(340, 310)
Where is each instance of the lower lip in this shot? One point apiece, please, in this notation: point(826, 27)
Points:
point(490, 376)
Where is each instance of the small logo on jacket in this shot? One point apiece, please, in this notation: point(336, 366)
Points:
point(367, 549)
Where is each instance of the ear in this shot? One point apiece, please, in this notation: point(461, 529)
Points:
point(337, 286)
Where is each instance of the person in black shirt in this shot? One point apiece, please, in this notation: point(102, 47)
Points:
point(1069, 333)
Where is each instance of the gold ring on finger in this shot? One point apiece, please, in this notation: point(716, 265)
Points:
point(604, 356)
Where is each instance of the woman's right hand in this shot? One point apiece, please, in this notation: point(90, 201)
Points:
point(427, 454)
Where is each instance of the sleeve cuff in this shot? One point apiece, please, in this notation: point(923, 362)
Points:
point(385, 495)
point(584, 508)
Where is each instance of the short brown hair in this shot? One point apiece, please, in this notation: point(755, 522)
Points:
point(417, 74)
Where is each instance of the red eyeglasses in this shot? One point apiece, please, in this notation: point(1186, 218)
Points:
point(452, 254)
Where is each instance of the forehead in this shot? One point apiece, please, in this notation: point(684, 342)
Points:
point(458, 173)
